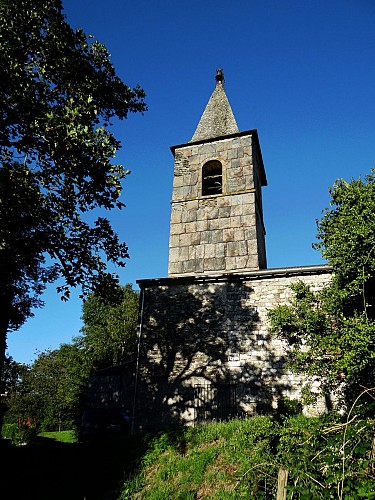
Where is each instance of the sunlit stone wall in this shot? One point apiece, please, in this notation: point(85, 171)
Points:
point(205, 348)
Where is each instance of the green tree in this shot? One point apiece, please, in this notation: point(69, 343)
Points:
point(58, 94)
point(331, 334)
point(109, 333)
point(59, 380)
point(51, 390)
point(14, 374)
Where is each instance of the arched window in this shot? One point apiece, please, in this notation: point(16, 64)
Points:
point(212, 178)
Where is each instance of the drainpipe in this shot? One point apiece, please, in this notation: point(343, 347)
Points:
point(138, 356)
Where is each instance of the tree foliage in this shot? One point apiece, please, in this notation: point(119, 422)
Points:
point(331, 334)
point(53, 389)
point(58, 94)
point(109, 332)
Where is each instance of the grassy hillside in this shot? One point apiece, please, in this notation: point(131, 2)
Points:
point(325, 458)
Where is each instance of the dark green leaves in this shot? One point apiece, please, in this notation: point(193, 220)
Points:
point(58, 92)
point(331, 334)
point(110, 328)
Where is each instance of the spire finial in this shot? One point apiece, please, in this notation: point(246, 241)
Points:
point(219, 76)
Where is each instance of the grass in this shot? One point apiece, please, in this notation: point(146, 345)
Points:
point(219, 461)
point(214, 461)
point(62, 436)
point(242, 458)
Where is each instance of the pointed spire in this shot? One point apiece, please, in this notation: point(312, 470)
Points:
point(217, 118)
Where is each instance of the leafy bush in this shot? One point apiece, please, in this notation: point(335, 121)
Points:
point(19, 434)
point(289, 407)
point(326, 457)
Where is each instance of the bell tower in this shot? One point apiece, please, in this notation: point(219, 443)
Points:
point(217, 216)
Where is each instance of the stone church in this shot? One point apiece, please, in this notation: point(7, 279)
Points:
point(205, 352)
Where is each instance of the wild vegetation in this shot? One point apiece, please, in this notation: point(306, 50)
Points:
point(50, 394)
point(58, 95)
point(330, 335)
point(325, 457)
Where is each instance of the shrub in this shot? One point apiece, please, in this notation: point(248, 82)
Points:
point(19, 434)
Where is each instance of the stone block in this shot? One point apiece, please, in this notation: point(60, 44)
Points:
point(224, 201)
point(217, 236)
point(185, 240)
point(248, 209)
point(252, 247)
point(241, 262)
point(248, 220)
point(207, 149)
point(192, 205)
point(220, 250)
point(205, 237)
point(192, 252)
point(232, 185)
point(236, 221)
point(176, 229)
point(184, 253)
point(232, 153)
point(239, 234)
point(177, 193)
point(240, 199)
point(247, 151)
point(190, 227)
point(236, 210)
point(174, 268)
point(224, 211)
point(189, 192)
point(192, 266)
point(249, 182)
point(236, 248)
point(188, 216)
point(194, 161)
point(224, 223)
point(174, 254)
point(178, 181)
point(214, 264)
point(175, 216)
point(195, 238)
point(212, 213)
point(235, 168)
point(209, 250)
point(199, 252)
point(202, 225)
point(213, 224)
point(174, 240)
point(228, 234)
point(252, 262)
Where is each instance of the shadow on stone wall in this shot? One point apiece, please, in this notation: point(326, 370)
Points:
point(189, 332)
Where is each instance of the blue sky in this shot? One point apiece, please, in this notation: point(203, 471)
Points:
point(300, 72)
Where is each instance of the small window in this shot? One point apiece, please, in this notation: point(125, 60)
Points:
point(212, 178)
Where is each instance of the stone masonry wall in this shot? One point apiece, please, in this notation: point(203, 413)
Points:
point(201, 338)
point(220, 232)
